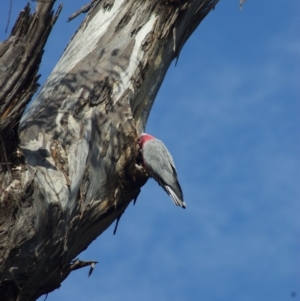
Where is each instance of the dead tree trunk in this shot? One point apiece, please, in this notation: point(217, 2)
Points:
point(80, 168)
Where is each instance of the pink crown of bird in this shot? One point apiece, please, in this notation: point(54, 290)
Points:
point(159, 165)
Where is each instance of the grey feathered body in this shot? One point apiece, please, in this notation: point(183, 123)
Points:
point(160, 166)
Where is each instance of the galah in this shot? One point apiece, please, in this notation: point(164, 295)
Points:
point(159, 165)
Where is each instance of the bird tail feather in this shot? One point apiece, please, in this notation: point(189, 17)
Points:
point(177, 201)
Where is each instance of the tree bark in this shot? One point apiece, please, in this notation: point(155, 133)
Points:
point(81, 165)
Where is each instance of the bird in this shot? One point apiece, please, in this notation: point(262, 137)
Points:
point(158, 163)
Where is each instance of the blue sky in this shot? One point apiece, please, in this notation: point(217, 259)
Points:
point(229, 114)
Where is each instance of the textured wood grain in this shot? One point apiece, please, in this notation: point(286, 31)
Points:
point(79, 139)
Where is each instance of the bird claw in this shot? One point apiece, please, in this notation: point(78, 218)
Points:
point(139, 172)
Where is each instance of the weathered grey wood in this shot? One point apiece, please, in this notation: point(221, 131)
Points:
point(20, 56)
point(79, 138)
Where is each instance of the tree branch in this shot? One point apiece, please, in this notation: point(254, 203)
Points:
point(20, 57)
point(79, 138)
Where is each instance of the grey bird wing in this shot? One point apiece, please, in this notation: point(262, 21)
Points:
point(161, 167)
